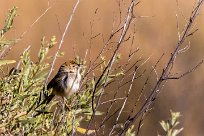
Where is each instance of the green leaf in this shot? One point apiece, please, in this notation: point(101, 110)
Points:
point(176, 132)
point(169, 125)
point(9, 21)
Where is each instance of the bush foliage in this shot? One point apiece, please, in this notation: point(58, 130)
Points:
point(23, 88)
point(21, 94)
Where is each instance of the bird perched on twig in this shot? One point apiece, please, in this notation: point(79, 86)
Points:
point(66, 82)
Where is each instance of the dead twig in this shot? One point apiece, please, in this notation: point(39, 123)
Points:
point(166, 71)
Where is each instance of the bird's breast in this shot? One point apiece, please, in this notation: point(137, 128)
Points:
point(72, 85)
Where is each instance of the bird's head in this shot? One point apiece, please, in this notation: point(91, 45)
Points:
point(71, 67)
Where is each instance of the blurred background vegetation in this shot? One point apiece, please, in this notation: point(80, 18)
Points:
point(155, 34)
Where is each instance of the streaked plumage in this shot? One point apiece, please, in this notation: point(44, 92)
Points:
point(66, 82)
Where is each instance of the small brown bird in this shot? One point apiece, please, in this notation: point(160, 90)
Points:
point(66, 82)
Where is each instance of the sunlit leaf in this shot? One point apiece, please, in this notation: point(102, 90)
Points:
point(83, 131)
point(5, 62)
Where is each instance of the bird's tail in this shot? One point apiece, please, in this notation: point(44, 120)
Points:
point(46, 100)
point(49, 98)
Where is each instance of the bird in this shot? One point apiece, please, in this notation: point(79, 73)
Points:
point(66, 82)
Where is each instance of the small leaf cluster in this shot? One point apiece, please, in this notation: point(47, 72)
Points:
point(130, 131)
point(20, 89)
point(170, 125)
point(7, 26)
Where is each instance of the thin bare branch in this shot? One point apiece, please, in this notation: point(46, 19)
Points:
point(110, 63)
point(185, 48)
point(166, 69)
point(192, 33)
point(186, 73)
point(178, 30)
point(30, 27)
point(124, 103)
point(62, 40)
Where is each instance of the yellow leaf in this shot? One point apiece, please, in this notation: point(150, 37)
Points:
point(83, 131)
point(5, 62)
